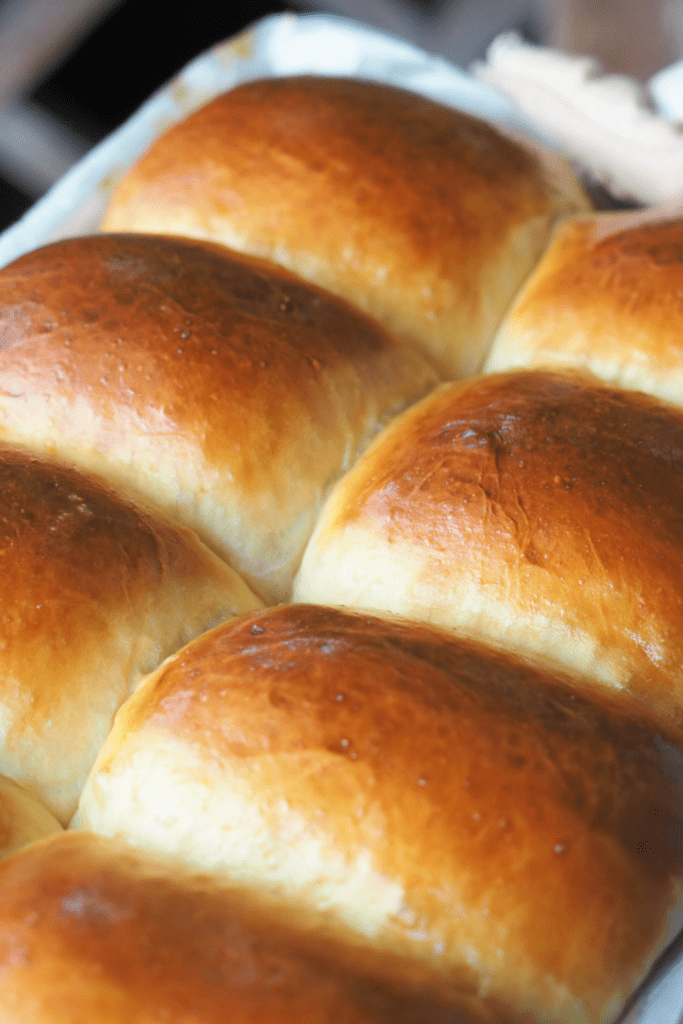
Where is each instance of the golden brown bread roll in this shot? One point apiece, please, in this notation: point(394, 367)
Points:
point(92, 932)
point(607, 297)
point(96, 592)
point(219, 387)
point(517, 838)
point(422, 216)
point(23, 818)
point(539, 512)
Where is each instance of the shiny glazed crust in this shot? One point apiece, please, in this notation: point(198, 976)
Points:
point(91, 931)
point(421, 795)
point(538, 512)
point(221, 388)
point(96, 591)
point(422, 216)
point(607, 297)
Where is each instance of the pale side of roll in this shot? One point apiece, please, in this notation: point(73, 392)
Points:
point(539, 512)
point(221, 388)
point(423, 216)
point(607, 297)
point(23, 818)
point(515, 837)
point(97, 591)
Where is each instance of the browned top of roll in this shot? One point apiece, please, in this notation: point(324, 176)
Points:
point(90, 930)
point(220, 387)
point(96, 592)
point(540, 511)
point(439, 799)
point(423, 216)
point(607, 296)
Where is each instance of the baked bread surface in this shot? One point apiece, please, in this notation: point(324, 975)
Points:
point(91, 931)
point(97, 591)
point(539, 512)
point(397, 795)
point(423, 796)
point(221, 388)
point(424, 217)
point(607, 297)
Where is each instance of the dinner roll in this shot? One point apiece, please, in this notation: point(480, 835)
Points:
point(219, 387)
point(608, 297)
point(96, 592)
point(23, 818)
point(539, 512)
point(422, 216)
point(92, 932)
point(517, 838)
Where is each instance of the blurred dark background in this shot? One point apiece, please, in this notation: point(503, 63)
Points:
point(72, 70)
point(94, 86)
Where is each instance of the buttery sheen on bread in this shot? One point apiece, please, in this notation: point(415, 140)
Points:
point(96, 591)
point(539, 512)
point(92, 932)
point(221, 388)
point(606, 297)
point(393, 824)
point(423, 216)
point(423, 795)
